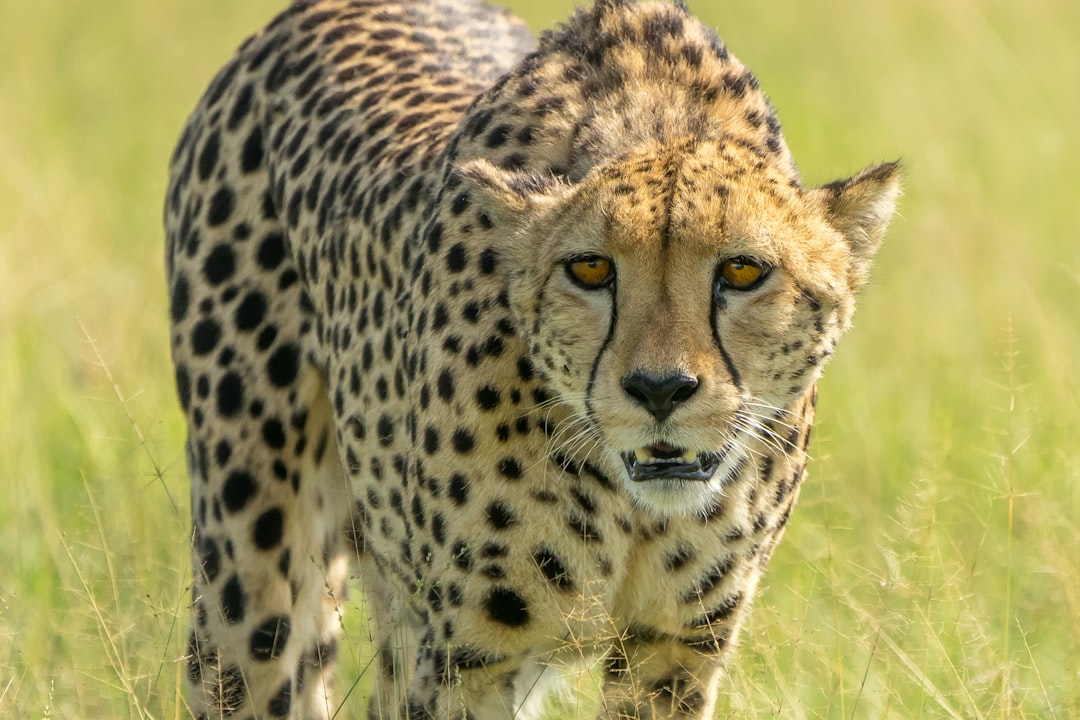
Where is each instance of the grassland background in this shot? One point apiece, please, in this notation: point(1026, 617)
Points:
point(932, 568)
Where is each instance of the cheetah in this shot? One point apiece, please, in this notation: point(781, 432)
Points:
point(524, 334)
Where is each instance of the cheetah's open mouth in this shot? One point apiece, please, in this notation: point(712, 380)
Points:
point(663, 461)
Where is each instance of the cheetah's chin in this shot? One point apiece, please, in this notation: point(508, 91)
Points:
point(662, 461)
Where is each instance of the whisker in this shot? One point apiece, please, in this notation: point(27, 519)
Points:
point(776, 413)
point(755, 426)
point(574, 436)
point(760, 433)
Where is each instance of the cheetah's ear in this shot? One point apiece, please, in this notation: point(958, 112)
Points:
point(861, 208)
point(510, 198)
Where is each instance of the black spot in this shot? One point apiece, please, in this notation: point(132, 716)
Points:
point(271, 251)
point(438, 528)
point(459, 489)
point(434, 237)
point(241, 107)
point(219, 264)
point(251, 311)
point(525, 368)
point(220, 207)
point(446, 385)
point(500, 516)
point(239, 488)
point(507, 607)
point(471, 312)
point(431, 440)
point(222, 453)
point(211, 559)
point(719, 614)
point(284, 561)
point(209, 156)
point(498, 136)
point(266, 338)
point(268, 640)
point(281, 703)
point(735, 84)
point(493, 571)
point(251, 155)
point(553, 568)
point(460, 204)
point(463, 441)
point(417, 507)
point(268, 529)
point(478, 123)
point(584, 500)
point(194, 659)
point(457, 258)
point(510, 467)
point(230, 689)
point(273, 433)
point(205, 336)
point(774, 123)
point(283, 365)
point(385, 430)
point(183, 386)
point(549, 104)
point(230, 395)
point(462, 556)
point(759, 523)
point(232, 600)
point(487, 398)
point(707, 582)
point(526, 135)
point(180, 298)
point(440, 317)
point(676, 560)
point(583, 529)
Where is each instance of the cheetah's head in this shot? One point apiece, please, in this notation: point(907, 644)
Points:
point(681, 299)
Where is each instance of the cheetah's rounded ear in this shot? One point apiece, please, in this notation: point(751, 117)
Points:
point(511, 198)
point(861, 208)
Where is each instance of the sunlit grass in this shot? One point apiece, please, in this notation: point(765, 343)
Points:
point(932, 568)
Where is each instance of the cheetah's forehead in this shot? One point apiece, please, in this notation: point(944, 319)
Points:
point(691, 203)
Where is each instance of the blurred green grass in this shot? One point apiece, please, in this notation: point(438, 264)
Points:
point(933, 566)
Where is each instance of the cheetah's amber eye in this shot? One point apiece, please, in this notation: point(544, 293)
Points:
point(742, 273)
point(591, 272)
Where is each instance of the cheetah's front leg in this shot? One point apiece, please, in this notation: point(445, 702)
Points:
point(443, 687)
point(270, 561)
point(654, 679)
point(425, 672)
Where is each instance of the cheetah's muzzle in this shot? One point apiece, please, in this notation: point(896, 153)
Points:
point(663, 461)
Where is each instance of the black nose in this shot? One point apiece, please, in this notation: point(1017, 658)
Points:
point(659, 395)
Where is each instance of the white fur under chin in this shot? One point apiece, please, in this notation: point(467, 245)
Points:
point(536, 682)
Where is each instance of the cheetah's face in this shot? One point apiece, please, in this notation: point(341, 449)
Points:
point(679, 300)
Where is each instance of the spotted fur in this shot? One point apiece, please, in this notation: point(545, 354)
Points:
point(387, 363)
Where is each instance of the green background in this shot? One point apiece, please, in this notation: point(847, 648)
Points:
point(932, 568)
